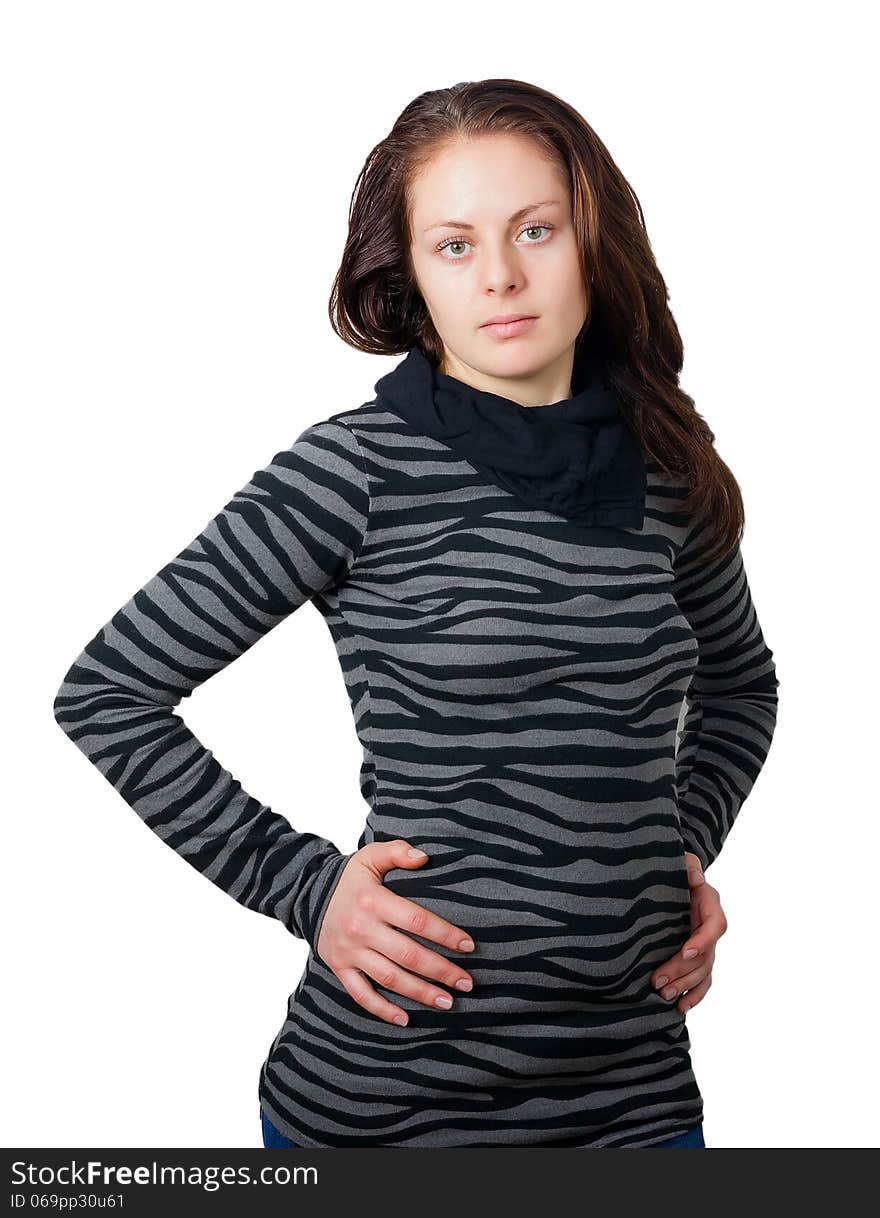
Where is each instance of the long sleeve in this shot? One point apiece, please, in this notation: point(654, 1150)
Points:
point(731, 704)
point(291, 532)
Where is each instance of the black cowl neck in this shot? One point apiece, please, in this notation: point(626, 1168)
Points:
point(576, 457)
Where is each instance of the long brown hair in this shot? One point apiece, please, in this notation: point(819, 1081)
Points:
point(375, 305)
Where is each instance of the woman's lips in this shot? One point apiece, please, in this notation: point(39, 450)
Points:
point(509, 329)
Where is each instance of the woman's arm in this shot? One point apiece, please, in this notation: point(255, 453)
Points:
point(732, 700)
point(294, 530)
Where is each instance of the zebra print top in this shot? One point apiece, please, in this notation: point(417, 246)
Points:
point(516, 681)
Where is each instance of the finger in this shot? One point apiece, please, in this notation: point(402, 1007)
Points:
point(385, 856)
point(705, 936)
point(418, 959)
point(678, 967)
point(707, 899)
point(686, 981)
point(356, 984)
point(697, 994)
point(695, 874)
point(416, 920)
point(390, 976)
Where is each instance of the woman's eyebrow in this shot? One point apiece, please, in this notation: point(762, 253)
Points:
point(523, 211)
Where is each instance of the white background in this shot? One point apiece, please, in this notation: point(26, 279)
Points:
point(176, 187)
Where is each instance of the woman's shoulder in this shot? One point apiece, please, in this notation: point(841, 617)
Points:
point(356, 421)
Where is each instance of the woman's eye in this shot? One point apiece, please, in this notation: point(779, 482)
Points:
point(457, 243)
point(533, 228)
point(452, 241)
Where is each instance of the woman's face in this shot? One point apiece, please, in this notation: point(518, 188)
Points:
point(492, 234)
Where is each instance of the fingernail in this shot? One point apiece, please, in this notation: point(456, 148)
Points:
point(443, 1000)
point(660, 982)
point(691, 951)
point(464, 984)
point(670, 993)
point(466, 945)
point(401, 1019)
point(416, 854)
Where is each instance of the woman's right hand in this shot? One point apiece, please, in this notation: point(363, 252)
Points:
point(359, 936)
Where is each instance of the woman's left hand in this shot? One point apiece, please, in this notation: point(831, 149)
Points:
point(688, 974)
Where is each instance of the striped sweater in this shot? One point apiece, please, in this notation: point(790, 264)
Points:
point(517, 682)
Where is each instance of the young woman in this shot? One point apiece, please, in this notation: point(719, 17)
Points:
point(526, 549)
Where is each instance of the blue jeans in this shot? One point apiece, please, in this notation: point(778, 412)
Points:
point(694, 1137)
